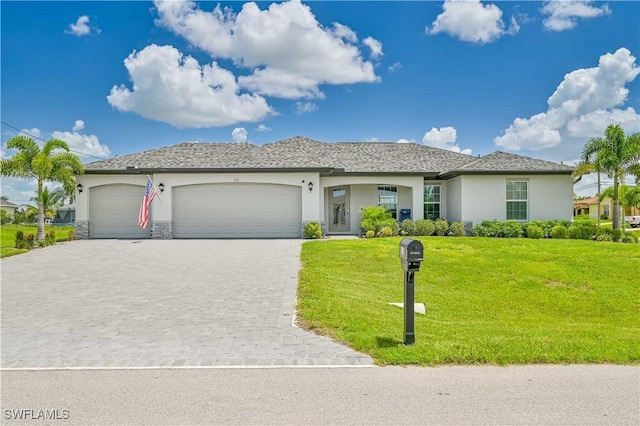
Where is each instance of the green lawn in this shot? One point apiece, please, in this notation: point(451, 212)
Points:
point(489, 301)
point(8, 236)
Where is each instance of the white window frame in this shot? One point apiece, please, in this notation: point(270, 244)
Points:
point(387, 205)
point(425, 202)
point(514, 195)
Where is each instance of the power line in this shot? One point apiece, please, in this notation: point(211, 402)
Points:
point(40, 139)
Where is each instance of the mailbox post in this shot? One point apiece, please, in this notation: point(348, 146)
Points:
point(411, 255)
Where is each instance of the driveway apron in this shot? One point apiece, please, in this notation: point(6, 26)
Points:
point(158, 303)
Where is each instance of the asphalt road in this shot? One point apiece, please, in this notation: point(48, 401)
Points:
point(549, 395)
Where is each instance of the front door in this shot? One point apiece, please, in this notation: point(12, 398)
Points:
point(339, 220)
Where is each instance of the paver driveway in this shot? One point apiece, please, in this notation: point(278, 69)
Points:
point(118, 303)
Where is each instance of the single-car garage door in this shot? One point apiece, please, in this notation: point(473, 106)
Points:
point(114, 212)
point(237, 210)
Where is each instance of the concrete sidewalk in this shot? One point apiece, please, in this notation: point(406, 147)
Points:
point(119, 303)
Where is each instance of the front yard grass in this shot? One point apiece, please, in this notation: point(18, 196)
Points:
point(8, 236)
point(488, 301)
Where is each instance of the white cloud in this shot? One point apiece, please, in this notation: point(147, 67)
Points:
point(80, 27)
point(32, 133)
point(444, 138)
point(374, 45)
point(583, 104)
point(395, 67)
point(176, 89)
point(263, 128)
point(81, 143)
point(563, 15)
point(471, 21)
point(288, 51)
point(402, 140)
point(78, 126)
point(344, 32)
point(304, 107)
point(239, 134)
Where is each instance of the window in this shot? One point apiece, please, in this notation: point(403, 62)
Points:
point(431, 202)
point(388, 198)
point(517, 200)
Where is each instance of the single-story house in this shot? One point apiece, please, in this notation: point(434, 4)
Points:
point(590, 206)
point(8, 206)
point(241, 190)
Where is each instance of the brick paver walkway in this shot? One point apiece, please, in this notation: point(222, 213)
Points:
point(118, 303)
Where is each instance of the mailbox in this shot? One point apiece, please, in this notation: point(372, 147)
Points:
point(411, 254)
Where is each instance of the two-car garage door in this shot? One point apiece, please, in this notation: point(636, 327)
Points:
point(233, 210)
point(237, 210)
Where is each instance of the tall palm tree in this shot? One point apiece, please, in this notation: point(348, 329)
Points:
point(617, 155)
point(46, 164)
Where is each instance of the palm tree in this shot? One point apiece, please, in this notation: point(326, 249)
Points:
point(42, 164)
point(617, 155)
point(49, 201)
point(629, 196)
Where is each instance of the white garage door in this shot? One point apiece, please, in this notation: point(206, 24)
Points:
point(114, 212)
point(238, 210)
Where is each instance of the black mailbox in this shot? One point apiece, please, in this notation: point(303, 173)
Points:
point(411, 254)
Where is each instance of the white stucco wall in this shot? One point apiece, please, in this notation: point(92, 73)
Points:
point(364, 192)
point(454, 199)
point(162, 210)
point(484, 197)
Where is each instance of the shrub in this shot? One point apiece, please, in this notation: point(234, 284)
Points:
point(71, 235)
point(3, 217)
point(510, 229)
point(311, 230)
point(21, 241)
point(616, 234)
point(50, 238)
point(560, 232)
point(629, 239)
point(370, 234)
point(373, 218)
point(386, 231)
point(485, 229)
point(582, 231)
point(442, 226)
point(30, 239)
point(604, 237)
point(457, 229)
point(425, 227)
point(534, 231)
point(408, 227)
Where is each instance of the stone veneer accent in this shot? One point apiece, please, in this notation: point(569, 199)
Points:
point(162, 230)
point(82, 229)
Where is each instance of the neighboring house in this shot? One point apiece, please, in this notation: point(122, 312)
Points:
point(590, 206)
point(240, 190)
point(8, 207)
point(65, 214)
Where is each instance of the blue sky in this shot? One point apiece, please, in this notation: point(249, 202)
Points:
point(113, 78)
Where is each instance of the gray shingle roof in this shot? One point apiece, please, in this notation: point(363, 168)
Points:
point(505, 162)
point(304, 153)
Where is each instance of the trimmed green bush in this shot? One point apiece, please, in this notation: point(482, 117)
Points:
point(21, 241)
point(425, 227)
point(457, 229)
point(582, 231)
point(312, 230)
point(442, 226)
point(629, 239)
point(560, 232)
point(510, 229)
point(534, 231)
point(373, 218)
point(386, 231)
point(408, 227)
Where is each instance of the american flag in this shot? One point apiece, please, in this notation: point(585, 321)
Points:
point(149, 194)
